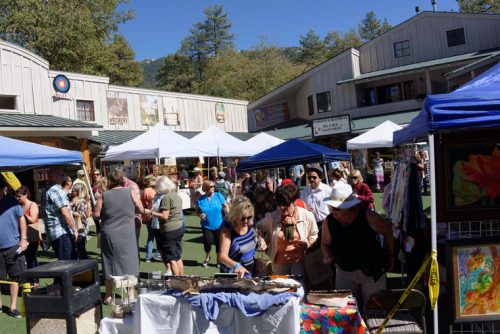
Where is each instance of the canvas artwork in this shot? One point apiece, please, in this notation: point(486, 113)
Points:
point(476, 281)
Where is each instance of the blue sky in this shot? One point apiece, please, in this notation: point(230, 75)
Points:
point(160, 25)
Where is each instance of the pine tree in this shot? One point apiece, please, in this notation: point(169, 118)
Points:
point(313, 50)
point(216, 28)
point(371, 27)
point(176, 74)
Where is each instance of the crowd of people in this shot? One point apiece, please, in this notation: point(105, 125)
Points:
point(256, 213)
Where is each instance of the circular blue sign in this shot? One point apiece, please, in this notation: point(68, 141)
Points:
point(61, 83)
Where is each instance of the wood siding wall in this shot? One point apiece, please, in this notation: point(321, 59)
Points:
point(427, 36)
point(25, 76)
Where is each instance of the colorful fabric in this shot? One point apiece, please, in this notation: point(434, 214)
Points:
point(324, 319)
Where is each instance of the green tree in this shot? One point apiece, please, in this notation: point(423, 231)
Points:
point(208, 39)
point(479, 6)
point(120, 65)
point(371, 27)
point(73, 35)
point(176, 74)
point(313, 50)
point(195, 46)
point(336, 43)
point(216, 28)
point(249, 74)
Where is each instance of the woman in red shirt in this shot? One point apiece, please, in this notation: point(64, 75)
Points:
point(361, 190)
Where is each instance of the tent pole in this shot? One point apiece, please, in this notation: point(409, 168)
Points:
point(432, 161)
point(325, 170)
point(92, 198)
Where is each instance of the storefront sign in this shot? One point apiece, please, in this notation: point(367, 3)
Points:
point(149, 109)
point(62, 96)
point(117, 107)
point(271, 114)
point(331, 126)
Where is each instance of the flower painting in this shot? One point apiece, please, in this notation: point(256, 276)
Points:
point(468, 176)
point(476, 281)
point(477, 179)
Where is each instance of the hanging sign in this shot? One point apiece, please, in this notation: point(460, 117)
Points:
point(331, 126)
point(61, 84)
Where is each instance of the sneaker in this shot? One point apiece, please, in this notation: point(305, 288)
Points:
point(157, 257)
point(147, 260)
point(14, 313)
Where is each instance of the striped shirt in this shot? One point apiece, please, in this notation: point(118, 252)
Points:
point(53, 200)
point(242, 249)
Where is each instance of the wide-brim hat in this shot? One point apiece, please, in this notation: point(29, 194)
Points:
point(341, 197)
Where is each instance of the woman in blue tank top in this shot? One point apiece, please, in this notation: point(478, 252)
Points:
point(237, 239)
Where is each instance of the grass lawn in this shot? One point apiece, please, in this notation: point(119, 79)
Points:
point(193, 255)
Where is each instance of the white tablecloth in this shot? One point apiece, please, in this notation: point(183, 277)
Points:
point(167, 314)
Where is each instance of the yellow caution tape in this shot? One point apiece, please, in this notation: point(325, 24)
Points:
point(410, 287)
point(434, 280)
point(11, 180)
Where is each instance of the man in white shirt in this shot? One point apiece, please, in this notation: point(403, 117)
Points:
point(314, 193)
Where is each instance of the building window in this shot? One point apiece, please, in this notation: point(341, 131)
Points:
point(8, 102)
point(402, 49)
point(455, 37)
point(324, 102)
point(85, 110)
point(310, 104)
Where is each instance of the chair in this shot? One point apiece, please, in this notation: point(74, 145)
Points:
point(409, 318)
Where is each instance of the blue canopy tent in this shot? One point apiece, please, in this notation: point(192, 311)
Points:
point(292, 152)
point(17, 155)
point(474, 105)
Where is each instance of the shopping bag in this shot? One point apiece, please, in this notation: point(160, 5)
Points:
point(33, 233)
point(316, 271)
point(262, 265)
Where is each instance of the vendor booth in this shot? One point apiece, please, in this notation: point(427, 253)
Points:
point(379, 136)
point(464, 136)
point(261, 142)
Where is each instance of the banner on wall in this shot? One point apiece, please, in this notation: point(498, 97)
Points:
point(170, 112)
point(117, 107)
point(149, 109)
point(271, 114)
point(219, 112)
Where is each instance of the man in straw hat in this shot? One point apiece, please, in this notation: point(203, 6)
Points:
point(351, 239)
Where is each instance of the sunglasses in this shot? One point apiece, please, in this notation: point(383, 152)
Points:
point(353, 177)
point(96, 174)
point(312, 177)
point(242, 219)
point(211, 187)
point(332, 209)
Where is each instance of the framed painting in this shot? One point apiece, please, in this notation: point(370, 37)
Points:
point(474, 279)
point(467, 176)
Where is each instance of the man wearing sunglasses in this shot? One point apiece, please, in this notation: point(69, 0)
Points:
point(314, 193)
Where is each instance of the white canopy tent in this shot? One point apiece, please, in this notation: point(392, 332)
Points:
point(158, 142)
point(220, 144)
point(379, 136)
point(262, 142)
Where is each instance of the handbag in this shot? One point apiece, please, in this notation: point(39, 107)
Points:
point(262, 265)
point(33, 233)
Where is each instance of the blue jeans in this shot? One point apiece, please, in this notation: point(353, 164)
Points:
point(149, 242)
point(63, 247)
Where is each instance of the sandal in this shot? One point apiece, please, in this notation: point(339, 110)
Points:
point(205, 263)
point(107, 301)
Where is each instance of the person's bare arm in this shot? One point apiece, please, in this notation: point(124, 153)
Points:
point(137, 202)
point(163, 214)
point(225, 244)
point(33, 214)
point(23, 240)
point(96, 214)
point(381, 226)
point(326, 243)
